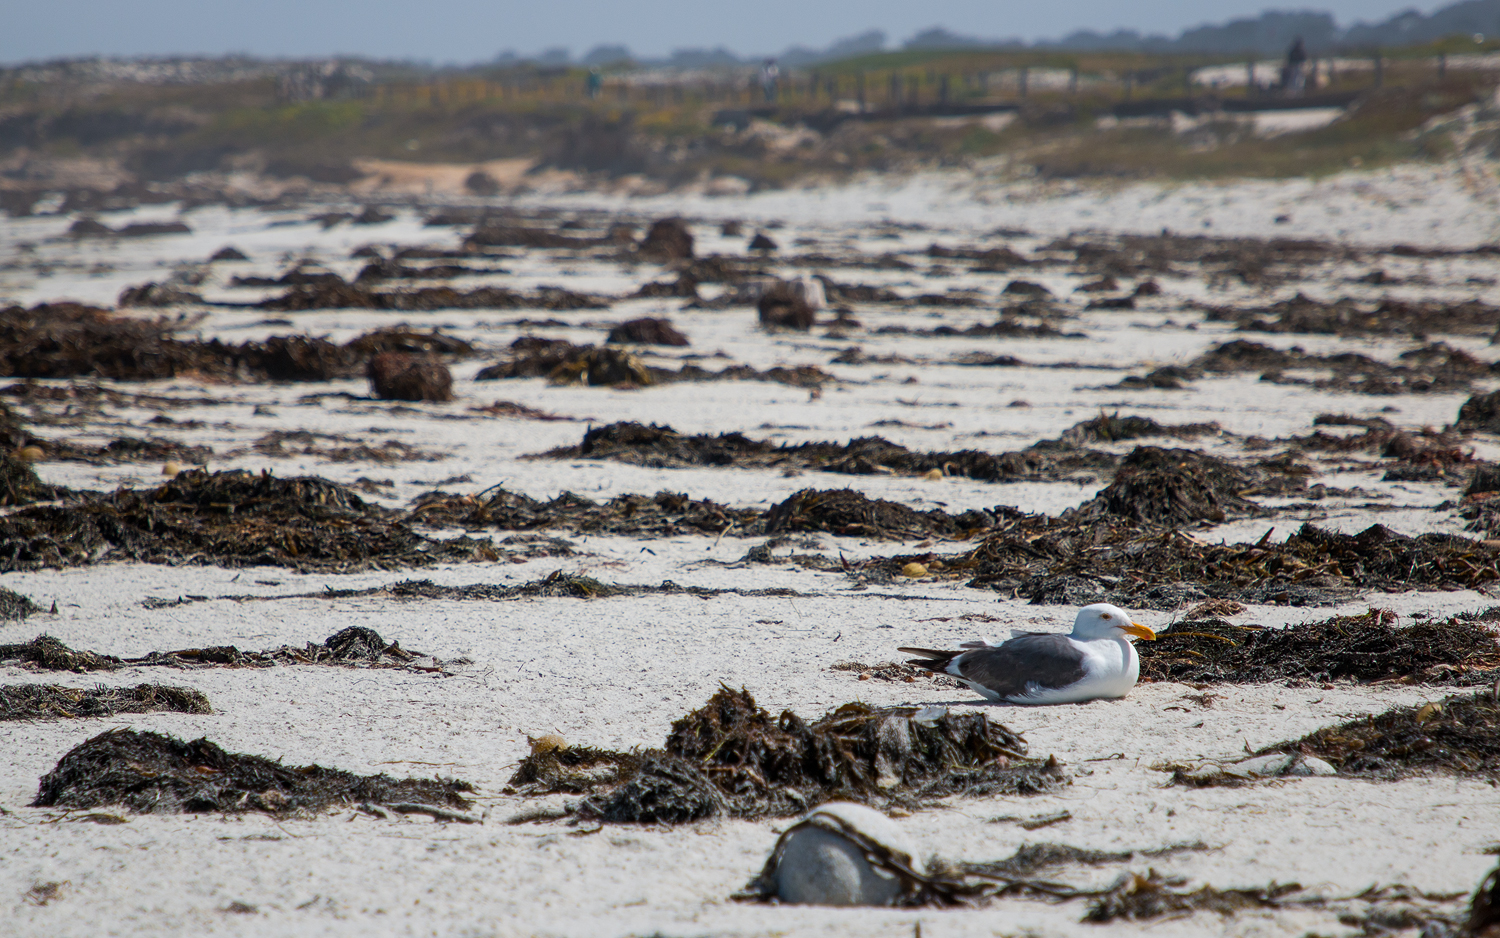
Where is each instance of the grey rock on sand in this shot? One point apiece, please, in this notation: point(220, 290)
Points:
point(818, 863)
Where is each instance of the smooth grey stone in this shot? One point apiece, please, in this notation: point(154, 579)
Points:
point(1312, 765)
point(1269, 766)
point(821, 867)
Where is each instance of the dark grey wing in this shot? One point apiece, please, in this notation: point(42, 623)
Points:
point(1044, 659)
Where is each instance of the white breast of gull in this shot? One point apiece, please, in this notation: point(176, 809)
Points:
point(1096, 661)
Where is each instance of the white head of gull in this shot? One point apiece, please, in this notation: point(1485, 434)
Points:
point(1096, 661)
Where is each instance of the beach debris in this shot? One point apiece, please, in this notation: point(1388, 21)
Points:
point(42, 701)
point(1351, 317)
point(1367, 647)
point(1243, 771)
point(732, 757)
point(840, 854)
point(1458, 735)
point(663, 447)
point(532, 357)
point(893, 672)
point(664, 514)
point(850, 513)
point(19, 483)
point(784, 306)
point(1480, 412)
point(1137, 897)
point(351, 647)
point(151, 773)
point(228, 253)
point(398, 376)
point(66, 340)
point(14, 606)
point(231, 518)
point(336, 294)
point(1484, 909)
point(647, 331)
point(668, 240)
point(1173, 487)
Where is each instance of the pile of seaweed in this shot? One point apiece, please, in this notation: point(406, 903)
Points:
point(1459, 735)
point(19, 484)
point(1349, 317)
point(343, 448)
point(663, 447)
point(1436, 368)
point(732, 757)
point(151, 773)
point(351, 647)
point(664, 514)
point(1076, 560)
point(66, 340)
point(1173, 487)
point(340, 295)
point(851, 513)
point(1250, 260)
point(40, 701)
point(1368, 647)
point(231, 519)
point(1007, 327)
point(14, 606)
point(562, 362)
point(667, 514)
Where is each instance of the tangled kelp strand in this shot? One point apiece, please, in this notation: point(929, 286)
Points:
point(1368, 647)
point(732, 757)
point(151, 773)
point(231, 518)
point(1458, 735)
point(353, 646)
point(39, 701)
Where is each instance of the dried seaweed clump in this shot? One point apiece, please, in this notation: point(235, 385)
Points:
point(1368, 647)
point(732, 757)
point(19, 484)
point(14, 606)
point(232, 519)
point(1459, 735)
point(1173, 486)
point(1078, 560)
point(662, 447)
point(353, 646)
point(155, 774)
point(664, 514)
point(1137, 897)
point(37, 701)
point(48, 654)
point(847, 512)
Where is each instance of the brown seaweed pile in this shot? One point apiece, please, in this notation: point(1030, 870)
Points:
point(664, 514)
point(41, 701)
point(732, 757)
point(351, 647)
point(14, 606)
point(341, 295)
point(850, 513)
point(1173, 487)
point(1368, 647)
point(1075, 560)
point(662, 447)
point(231, 519)
point(150, 773)
point(67, 340)
point(1436, 368)
point(1348, 317)
point(561, 362)
point(1459, 735)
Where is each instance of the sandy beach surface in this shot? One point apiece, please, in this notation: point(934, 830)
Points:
point(616, 672)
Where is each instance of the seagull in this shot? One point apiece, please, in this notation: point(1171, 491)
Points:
point(1096, 661)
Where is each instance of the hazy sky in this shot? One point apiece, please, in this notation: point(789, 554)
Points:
point(473, 30)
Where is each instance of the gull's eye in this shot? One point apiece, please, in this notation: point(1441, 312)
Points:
point(1105, 615)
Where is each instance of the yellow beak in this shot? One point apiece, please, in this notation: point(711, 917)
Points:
point(1139, 631)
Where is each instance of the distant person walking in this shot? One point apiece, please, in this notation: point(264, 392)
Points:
point(768, 75)
point(595, 83)
point(1294, 72)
